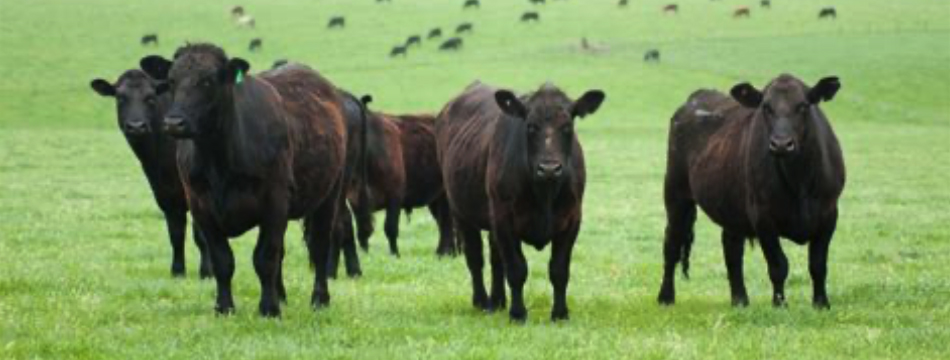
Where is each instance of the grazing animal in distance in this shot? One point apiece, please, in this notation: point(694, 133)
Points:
point(671, 9)
point(741, 12)
point(255, 44)
point(530, 16)
point(246, 21)
point(141, 102)
point(762, 165)
point(336, 22)
point(828, 12)
point(512, 165)
point(434, 33)
point(464, 28)
point(622, 3)
point(149, 39)
point(413, 40)
point(537, 2)
point(237, 11)
point(471, 4)
point(278, 63)
point(256, 151)
point(451, 44)
point(398, 50)
point(652, 55)
point(765, 4)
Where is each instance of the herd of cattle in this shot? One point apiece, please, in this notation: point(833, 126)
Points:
point(241, 150)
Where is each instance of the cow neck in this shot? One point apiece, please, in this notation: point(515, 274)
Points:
point(218, 147)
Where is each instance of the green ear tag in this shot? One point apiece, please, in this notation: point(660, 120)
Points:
point(240, 77)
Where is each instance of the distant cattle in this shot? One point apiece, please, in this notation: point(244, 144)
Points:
point(471, 4)
point(512, 165)
point(141, 102)
point(149, 39)
point(828, 12)
point(255, 44)
point(382, 1)
point(451, 44)
point(464, 28)
point(741, 12)
point(652, 55)
point(537, 2)
point(434, 33)
point(402, 174)
point(765, 4)
point(246, 21)
point(237, 11)
point(530, 16)
point(622, 3)
point(413, 40)
point(259, 150)
point(671, 8)
point(761, 164)
point(336, 22)
point(278, 63)
point(398, 50)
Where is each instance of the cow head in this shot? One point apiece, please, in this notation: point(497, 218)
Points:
point(138, 101)
point(201, 79)
point(548, 116)
point(786, 108)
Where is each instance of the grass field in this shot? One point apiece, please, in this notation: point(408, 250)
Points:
point(84, 255)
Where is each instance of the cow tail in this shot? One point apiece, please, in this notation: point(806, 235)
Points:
point(686, 250)
point(363, 196)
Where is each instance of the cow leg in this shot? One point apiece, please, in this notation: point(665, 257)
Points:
point(475, 260)
point(336, 247)
point(267, 261)
point(680, 217)
point(222, 263)
point(177, 223)
point(364, 224)
point(202, 243)
point(516, 270)
point(818, 262)
point(559, 269)
point(441, 213)
point(281, 289)
point(319, 229)
point(498, 299)
point(348, 244)
point(392, 226)
point(778, 267)
point(733, 250)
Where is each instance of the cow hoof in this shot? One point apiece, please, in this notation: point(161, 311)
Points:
point(224, 310)
point(778, 301)
point(354, 274)
point(560, 315)
point(498, 303)
point(821, 304)
point(666, 297)
point(518, 316)
point(178, 272)
point(320, 300)
point(205, 274)
point(481, 302)
point(740, 301)
point(271, 310)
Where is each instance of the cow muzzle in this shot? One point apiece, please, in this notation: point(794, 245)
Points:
point(548, 170)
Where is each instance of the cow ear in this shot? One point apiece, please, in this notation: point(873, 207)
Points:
point(103, 87)
point(747, 95)
point(155, 66)
point(825, 90)
point(510, 104)
point(366, 99)
point(236, 70)
point(587, 104)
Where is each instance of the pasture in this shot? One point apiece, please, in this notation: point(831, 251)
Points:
point(84, 253)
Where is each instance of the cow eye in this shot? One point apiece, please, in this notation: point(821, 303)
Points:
point(768, 110)
point(801, 108)
point(150, 100)
point(122, 99)
point(567, 130)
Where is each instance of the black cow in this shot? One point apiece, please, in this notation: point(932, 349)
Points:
point(828, 12)
point(413, 40)
point(652, 55)
point(278, 63)
point(761, 164)
point(149, 39)
point(141, 104)
point(537, 2)
point(765, 4)
point(255, 44)
point(451, 44)
point(530, 16)
point(622, 3)
point(397, 51)
point(434, 33)
point(464, 28)
point(513, 166)
point(471, 4)
point(337, 22)
point(257, 151)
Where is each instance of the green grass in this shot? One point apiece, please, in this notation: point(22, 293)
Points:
point(84, 256)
